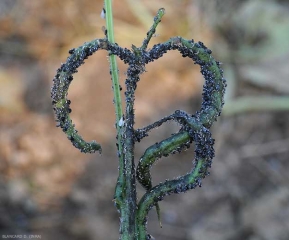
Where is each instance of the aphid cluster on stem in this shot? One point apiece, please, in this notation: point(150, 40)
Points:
point(193, 128)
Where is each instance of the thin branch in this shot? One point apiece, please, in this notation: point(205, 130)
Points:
point(117, 101)
point(152, 30)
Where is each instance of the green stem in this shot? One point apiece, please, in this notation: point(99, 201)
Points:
point(117, 103)
point(113, 63)
point(125, 192)
point(151, 32)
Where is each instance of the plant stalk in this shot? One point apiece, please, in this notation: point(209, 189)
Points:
point(125, 191)
point(113, 63)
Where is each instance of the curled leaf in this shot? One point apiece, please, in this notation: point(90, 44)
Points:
point(59, 90)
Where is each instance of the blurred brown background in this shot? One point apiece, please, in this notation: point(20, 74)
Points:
point(49, 188)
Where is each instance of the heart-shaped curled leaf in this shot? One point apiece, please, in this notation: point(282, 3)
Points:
point(213, 95)
point(61, 83)
point(194, 128)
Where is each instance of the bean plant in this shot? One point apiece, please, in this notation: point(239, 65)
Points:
point(193, 127)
